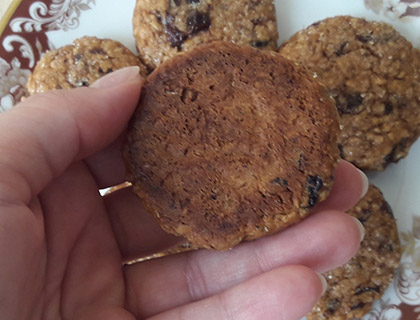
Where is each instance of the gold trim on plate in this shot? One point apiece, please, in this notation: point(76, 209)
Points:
point(8, 14)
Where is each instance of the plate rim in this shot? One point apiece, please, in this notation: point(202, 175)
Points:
point(9, 14)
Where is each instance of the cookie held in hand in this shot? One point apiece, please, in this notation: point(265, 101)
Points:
point(231, 143)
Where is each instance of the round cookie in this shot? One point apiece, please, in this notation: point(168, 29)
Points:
point(80, 64)
point(163, 28)
point(353, 287)
point(373, 74)
point(231, 143)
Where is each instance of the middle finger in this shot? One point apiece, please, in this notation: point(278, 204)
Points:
point(323, 241)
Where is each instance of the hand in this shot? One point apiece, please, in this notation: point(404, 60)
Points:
point(62, 245)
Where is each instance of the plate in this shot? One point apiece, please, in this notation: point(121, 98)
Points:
point(29, 28)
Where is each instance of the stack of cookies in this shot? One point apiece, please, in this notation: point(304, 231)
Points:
point(235, 138)
point(373, 74)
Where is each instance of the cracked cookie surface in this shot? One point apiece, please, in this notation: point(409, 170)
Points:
point(163, 28)
point(353, 287)
point(231, 143)
point(80, 64)
point(373, 73)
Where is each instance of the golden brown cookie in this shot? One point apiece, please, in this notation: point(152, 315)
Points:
point(373, 74)
point(80, 64)
point(163, 28)
point(231, 143)
point(353, 287)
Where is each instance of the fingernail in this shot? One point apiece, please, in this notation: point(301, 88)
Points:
point(323, 282)
point(361, 228)
point(117, 77)
point(365, 183)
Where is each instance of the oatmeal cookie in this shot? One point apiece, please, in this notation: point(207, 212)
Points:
point(231, 143)
point(353, 287)
point(163, 28)
point(373, 73)
point(80, 64)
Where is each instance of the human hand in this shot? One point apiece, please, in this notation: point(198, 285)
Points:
point(62, 245)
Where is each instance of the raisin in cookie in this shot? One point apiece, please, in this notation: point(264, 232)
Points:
point(231, 143)
point(373, 73)
point(353, 287)
point(80, 64)
point(163, 28)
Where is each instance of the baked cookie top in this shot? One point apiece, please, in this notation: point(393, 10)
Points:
point(231, 143)
point(353, 287)
point(80, 64)
point(163, 28)
point(373, 74)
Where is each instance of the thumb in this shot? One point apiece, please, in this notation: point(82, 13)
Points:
point(44, 134)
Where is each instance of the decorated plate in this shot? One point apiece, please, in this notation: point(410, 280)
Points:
point(31, 27)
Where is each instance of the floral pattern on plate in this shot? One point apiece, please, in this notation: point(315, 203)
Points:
point(24, 40)
point(395, 9)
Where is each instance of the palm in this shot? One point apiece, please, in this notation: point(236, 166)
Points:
point(76, 265)
point(84, 268)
